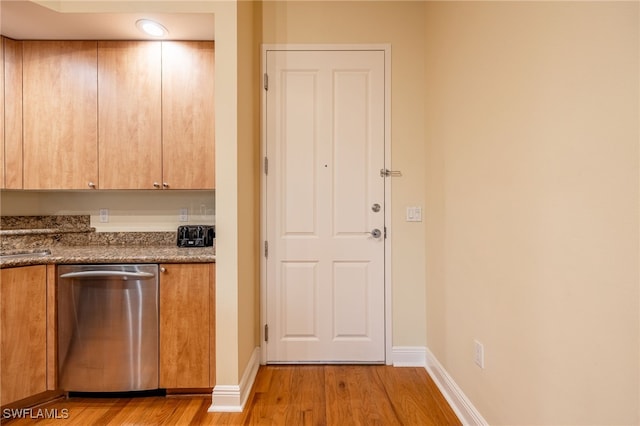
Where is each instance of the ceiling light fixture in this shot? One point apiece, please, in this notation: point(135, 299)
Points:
point(151, 28)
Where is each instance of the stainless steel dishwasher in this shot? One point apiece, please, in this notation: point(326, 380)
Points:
point(107, 328)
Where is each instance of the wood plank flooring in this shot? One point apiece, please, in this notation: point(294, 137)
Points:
point(282, 395)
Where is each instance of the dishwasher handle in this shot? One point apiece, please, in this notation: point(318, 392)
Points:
point(107, 274)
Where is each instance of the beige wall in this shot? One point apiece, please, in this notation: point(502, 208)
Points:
point(532, 207)
point(227, 187)
point(249, 180)
point(401, 25)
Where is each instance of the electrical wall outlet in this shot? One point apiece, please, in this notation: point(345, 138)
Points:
point(478, 353)
point(184, 215)
point(104, 215)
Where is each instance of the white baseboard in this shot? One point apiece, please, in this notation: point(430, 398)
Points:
point(464, 409)
point(409, 356)
point(232, 398)
point(420, 356)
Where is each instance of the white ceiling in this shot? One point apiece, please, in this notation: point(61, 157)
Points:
point(26, 20)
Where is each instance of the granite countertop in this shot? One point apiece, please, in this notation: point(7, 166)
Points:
point(72, 240)
point(43, 231)
point(114, 254)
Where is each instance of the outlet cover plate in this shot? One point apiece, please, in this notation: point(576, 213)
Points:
point(478, 353)
point(184, 215)
point(104, 215)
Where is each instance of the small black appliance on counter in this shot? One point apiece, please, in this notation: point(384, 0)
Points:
point(196, 235)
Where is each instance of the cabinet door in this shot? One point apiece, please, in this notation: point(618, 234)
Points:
point(184, 325)
point(23, 333)
point(2, 184)
point(13, 113)
point(60, 114)
point(129, 110)
point(188, 115)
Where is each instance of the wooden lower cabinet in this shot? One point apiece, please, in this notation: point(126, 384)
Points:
point(186, 326)
point(23, 332)
point(28, 330)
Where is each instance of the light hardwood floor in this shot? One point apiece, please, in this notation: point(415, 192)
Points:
point(284, 395)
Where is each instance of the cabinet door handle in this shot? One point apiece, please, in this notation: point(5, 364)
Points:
point(156, 185)
point(165, 185)
point(91, 185)
point(163, 269)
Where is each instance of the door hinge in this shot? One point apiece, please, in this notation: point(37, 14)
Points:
point(385, 232)
point(266, 166)
point(266, 332)
point(390, 173)
point(266, 81)
point(266, 249)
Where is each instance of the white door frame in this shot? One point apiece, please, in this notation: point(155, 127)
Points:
point(387, 183)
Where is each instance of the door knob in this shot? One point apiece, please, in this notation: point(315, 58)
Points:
point(376, 233)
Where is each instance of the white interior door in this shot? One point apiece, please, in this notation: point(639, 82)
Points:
point(325, 198)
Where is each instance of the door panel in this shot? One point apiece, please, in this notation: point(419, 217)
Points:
point(350, 118)
point(298, 148)
point(299, 307)
point(350, 297)
point(325, 144)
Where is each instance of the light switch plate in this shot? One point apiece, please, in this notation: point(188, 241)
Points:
point(414, 214)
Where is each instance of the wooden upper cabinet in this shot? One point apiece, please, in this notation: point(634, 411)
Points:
point(2, 184)
point(60, 114)
point(108, 115)
point(12, 81)
point(129, 111)
point(188, 114)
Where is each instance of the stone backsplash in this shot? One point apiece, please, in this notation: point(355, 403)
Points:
point(75, 223)
point(26, 232)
